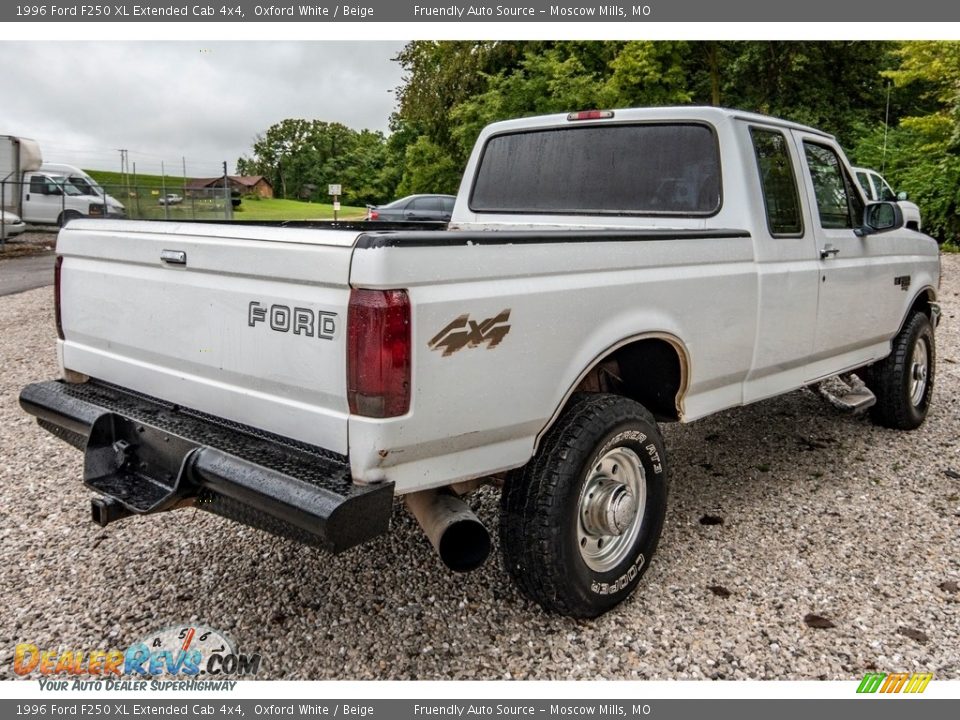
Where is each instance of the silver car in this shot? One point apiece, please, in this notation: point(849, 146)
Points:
point(10, 225)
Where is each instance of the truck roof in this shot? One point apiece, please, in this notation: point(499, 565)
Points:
point(683, 112)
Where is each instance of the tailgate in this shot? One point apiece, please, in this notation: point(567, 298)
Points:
point(250, 326)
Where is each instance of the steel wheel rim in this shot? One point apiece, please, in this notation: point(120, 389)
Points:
point(919, 371)
point(611, 509)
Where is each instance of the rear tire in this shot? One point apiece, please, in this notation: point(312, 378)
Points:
point(580, 522)
point(903, 381)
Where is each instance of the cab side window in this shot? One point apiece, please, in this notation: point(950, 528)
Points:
point(778, 182)
point(838, 202)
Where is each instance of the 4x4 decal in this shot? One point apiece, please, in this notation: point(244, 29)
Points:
point(464, 332)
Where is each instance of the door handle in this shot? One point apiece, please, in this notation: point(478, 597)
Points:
point(828, 251)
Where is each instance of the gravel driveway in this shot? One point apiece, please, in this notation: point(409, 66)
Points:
point(784, 517)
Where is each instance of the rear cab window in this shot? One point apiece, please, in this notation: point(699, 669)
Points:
point(669, 168)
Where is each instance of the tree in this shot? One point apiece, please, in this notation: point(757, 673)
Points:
point(923, 151)
point(429, 169)
point(301, 157)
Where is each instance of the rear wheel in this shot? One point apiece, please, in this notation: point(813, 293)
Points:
point(903, 381)
point(581, 521)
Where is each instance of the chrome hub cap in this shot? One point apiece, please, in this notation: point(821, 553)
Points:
point(611, 507)
point(919, 368)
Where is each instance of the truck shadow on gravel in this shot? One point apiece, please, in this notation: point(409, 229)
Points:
point(766, 476)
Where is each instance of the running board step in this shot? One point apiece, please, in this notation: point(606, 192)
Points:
point(847, 393)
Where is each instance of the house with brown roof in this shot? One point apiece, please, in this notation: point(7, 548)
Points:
point(245, 184)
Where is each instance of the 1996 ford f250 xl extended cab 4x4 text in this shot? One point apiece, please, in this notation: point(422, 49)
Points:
point(602, 272)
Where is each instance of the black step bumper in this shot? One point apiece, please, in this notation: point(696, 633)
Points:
point(143, 455)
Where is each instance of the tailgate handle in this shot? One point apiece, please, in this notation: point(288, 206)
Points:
point(174, 257)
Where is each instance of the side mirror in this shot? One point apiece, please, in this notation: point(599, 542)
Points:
point(881, 217)
point(902, 196)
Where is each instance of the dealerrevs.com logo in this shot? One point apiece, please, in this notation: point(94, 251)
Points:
point(199, 657)
point(909, 683)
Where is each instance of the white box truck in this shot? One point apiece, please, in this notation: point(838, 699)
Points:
point(44, 197)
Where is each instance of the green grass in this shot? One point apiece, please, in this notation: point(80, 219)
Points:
point(274, 209)
point(950, 248)
point(143, 203)
point(114, 181)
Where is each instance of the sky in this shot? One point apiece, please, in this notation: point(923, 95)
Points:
point(203, 101)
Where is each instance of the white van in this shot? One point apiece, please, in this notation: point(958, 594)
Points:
point(86, 185)
point(50, 198)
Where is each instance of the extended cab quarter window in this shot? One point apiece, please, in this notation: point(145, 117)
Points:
point(778, 181)
point(838, 201)
point(669, 169)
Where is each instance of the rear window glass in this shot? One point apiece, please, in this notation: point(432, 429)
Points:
point(425, 203)
point(637, 169)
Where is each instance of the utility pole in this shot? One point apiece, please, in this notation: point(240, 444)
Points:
point(124, 169)
point(163, 191)
point(136, 192)
point(228, 204)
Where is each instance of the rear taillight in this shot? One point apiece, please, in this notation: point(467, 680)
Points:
point(57, 272)
point(374, 215)
point(378, 353)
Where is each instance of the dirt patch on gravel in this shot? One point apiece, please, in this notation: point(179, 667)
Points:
point(28, 243)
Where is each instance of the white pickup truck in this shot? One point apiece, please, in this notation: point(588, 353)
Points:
point(603, 271)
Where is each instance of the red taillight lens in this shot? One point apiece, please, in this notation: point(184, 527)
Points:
point(56, 294)
point(374, 215)
point(378, 353)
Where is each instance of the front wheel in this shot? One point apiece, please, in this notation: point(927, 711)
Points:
point(903, 381)
point(66, 216)
point(580, 522)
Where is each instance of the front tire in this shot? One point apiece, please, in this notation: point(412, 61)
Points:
point(903, 381)
point(67, 216)
point(580, 522)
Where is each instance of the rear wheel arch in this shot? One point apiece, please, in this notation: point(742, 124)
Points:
point(652, 368)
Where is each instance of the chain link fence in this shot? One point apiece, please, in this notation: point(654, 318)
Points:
point(174, 203)
point(43, 201)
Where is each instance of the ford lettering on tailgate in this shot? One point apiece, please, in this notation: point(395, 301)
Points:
point(298, 320)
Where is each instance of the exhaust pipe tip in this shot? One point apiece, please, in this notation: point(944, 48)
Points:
point(460, 539)
point(465, 545)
